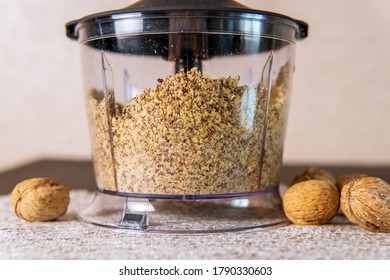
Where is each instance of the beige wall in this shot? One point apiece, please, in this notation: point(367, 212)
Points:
point(339, 110)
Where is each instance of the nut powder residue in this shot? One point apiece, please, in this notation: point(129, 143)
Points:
point(190, 134)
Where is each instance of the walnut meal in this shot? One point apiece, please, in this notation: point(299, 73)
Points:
point(190, 134)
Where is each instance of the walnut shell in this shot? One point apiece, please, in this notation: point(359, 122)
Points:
point(366, 202)
point(311, 202)
point(40, 200)
point(314, 173)
point(345, 179)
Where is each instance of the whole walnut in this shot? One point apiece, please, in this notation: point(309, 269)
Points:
point(345, 179)
point(314, 173)
point(366, 202)
point(311, 202)
point(40, 200)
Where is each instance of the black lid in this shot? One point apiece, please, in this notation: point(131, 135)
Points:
point(166, 7)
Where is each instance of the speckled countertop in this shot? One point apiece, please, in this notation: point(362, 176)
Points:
point(71, 239)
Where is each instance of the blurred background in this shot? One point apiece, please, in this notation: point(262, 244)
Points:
point(339, 112)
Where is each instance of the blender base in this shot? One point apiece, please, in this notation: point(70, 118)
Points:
point(186, 216)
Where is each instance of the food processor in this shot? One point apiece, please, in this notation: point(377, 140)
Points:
point(187, 105)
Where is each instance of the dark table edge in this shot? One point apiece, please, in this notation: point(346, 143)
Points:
point(79, 174)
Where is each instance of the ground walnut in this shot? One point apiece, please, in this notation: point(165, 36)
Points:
point(40, 200)
point(366, 202)
point(311, 202)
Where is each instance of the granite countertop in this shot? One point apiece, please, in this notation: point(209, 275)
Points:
point(69, 238)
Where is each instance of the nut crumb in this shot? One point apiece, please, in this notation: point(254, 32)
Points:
point(190, 134)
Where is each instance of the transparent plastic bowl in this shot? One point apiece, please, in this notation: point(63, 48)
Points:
point(187, 114)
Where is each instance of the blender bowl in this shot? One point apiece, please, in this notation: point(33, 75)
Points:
point(187, 104)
